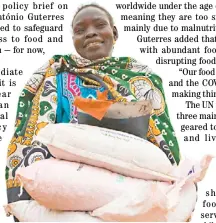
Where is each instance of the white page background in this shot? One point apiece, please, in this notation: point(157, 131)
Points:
point(126, 45)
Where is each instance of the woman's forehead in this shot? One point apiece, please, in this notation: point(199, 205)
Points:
point(90, 13)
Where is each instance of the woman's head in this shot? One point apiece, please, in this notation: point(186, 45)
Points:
point(93, 32)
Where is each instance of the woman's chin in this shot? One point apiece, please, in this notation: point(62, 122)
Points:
point(94, 53)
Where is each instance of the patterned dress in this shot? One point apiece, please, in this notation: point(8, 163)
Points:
point(48, 98)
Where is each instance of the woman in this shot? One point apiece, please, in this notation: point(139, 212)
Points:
point(49, 95)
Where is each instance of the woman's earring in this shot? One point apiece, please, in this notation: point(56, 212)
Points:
point(114, 43)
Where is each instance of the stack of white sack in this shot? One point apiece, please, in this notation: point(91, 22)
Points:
point(149, 189)
point(31, 211)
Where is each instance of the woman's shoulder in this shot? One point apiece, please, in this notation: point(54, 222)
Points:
point(144, 69)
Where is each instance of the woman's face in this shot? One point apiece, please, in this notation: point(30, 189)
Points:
point(93, 34)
